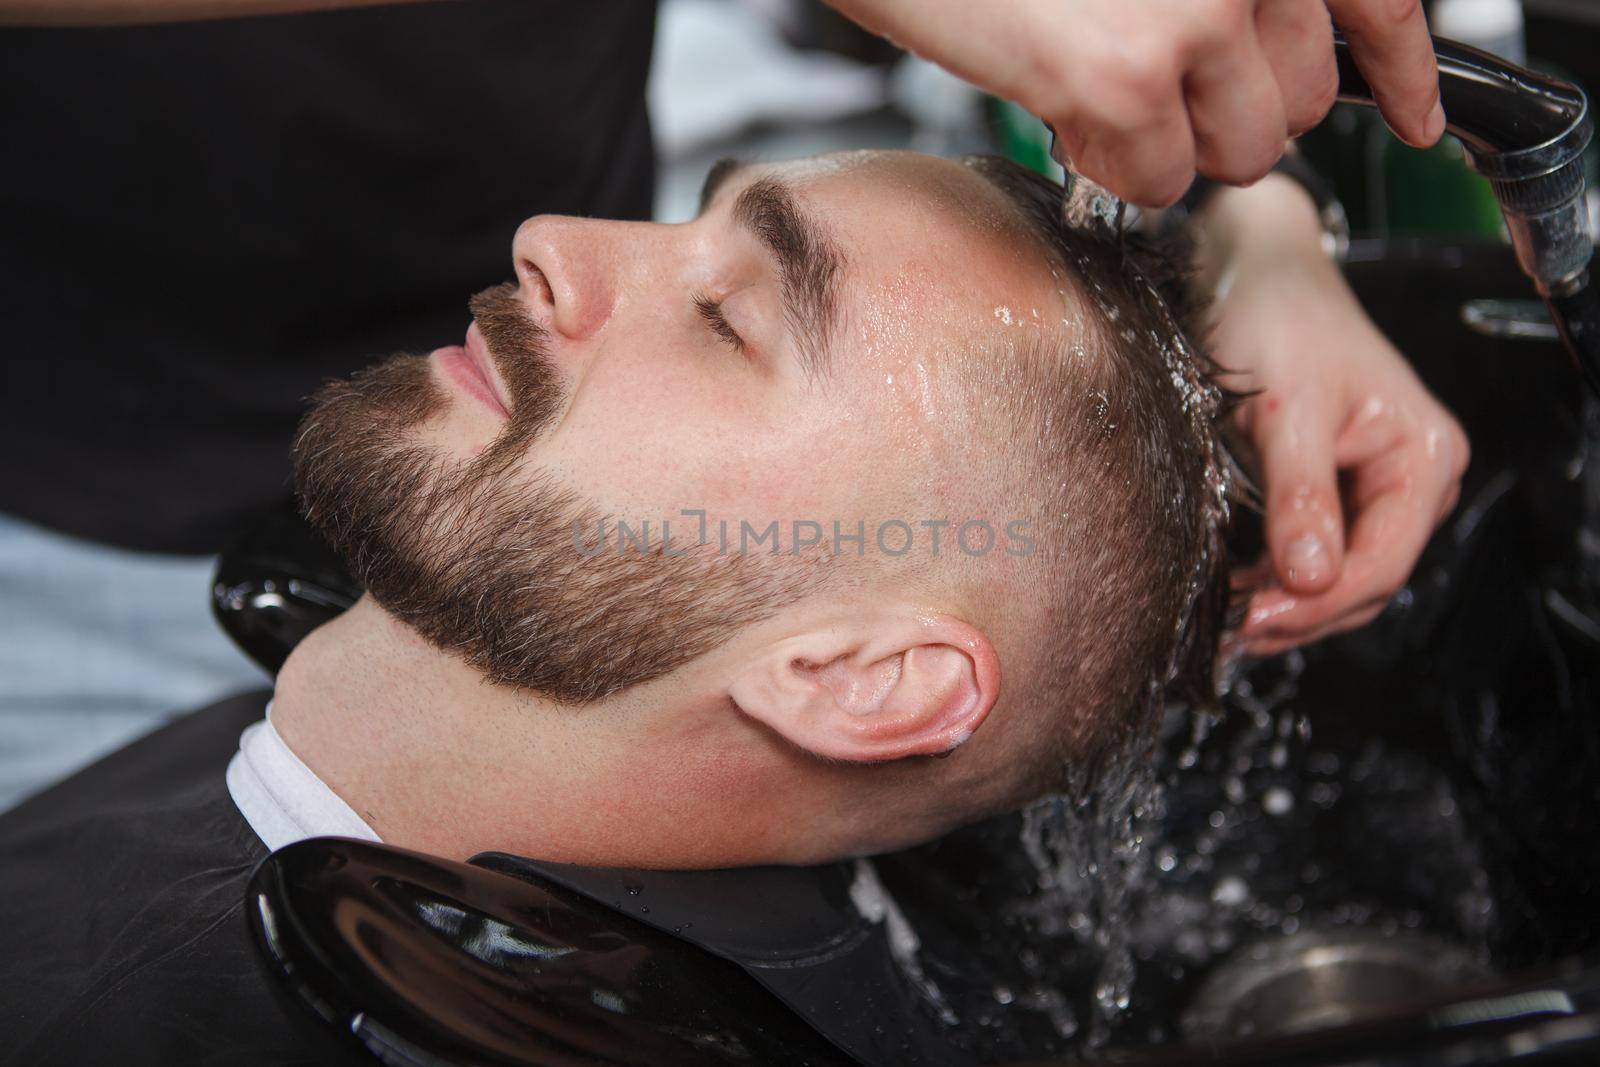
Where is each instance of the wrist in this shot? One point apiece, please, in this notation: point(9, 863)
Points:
point(1275, 220)
point(1274, 212)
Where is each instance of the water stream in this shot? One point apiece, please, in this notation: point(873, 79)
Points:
point(1088, 924)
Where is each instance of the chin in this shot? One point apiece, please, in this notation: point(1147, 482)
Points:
point(457, 435)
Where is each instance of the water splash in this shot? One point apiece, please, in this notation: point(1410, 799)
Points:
point(1087, 853)
point(1088, 206)
point(1092, 925)
point(876, 905)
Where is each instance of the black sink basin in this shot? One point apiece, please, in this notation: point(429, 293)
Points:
point(1431, 782)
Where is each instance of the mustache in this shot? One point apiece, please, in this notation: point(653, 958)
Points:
point(520, 349)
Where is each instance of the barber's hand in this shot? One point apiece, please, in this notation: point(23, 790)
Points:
point(1360, 462)
point(1142, 93)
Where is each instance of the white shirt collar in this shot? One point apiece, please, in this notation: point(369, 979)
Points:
point(280, 797)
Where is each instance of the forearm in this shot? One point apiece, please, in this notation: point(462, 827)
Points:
point(133, 12)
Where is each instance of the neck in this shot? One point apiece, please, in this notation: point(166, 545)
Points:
point(437, 759)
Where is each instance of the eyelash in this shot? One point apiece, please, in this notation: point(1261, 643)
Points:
point(711, 311)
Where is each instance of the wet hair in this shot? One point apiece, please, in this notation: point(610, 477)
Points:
point(1123, 421)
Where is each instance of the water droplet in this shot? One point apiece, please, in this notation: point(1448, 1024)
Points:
point(1277, 801)
point(1230, 892)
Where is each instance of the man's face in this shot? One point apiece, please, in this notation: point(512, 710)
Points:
point(788, 355)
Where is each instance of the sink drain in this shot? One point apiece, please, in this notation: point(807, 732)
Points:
point(1316, 979)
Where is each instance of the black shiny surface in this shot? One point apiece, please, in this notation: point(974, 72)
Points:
point(427, 961)
point(277, 584)
point(797, 931)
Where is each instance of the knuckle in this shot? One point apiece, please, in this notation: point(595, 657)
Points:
point(1043, 87)
point(1146, 71)
point(1307, 18)
point(1321, 94)
point(1303, 503)
point(1053, 70)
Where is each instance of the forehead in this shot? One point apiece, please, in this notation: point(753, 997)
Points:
point(935, 255)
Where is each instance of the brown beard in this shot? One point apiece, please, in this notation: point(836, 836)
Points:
point(484, 561)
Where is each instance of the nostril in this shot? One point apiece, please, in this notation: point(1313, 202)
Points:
point(536, 279)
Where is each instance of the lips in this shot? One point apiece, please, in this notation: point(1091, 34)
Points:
point(478, 355)
point(467, 374)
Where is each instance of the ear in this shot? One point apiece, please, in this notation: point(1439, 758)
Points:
point(874, 686)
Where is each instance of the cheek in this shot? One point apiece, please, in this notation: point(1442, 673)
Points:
point(650, 438)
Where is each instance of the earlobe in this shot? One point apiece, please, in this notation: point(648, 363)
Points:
point(874, 689)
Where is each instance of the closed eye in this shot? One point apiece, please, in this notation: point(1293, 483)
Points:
point(711, 311)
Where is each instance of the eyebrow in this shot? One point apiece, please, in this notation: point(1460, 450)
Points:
point(809, 262)
point(717, 177)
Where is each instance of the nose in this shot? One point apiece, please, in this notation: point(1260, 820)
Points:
point(566, 270)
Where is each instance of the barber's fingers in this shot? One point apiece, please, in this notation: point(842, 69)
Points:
point(1295, 435)
point(1390, 44)
point(1153, 167)
point(1353, 619)
point(1403, 481)
point(1404, 478)
point(1134, 138)
point(1235, 108)
point(1199, 90)
point(1297, 38)
point(1388, 536)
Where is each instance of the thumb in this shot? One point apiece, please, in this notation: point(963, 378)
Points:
point(1305, 524)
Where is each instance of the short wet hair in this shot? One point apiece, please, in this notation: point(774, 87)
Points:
point(1131, 465)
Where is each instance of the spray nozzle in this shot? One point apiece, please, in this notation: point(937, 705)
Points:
point(1086, 205)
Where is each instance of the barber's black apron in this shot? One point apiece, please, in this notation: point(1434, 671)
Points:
point(199, 223)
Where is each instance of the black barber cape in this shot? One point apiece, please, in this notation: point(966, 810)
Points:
point(122, 938)
point(125, 937)
point(199, 223)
